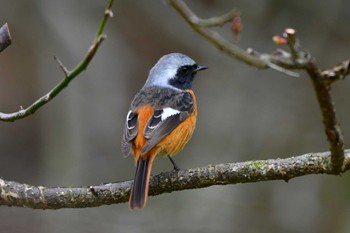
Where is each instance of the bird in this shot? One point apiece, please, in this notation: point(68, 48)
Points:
point(161, 119)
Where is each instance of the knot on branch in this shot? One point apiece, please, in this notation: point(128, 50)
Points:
point(338, 72)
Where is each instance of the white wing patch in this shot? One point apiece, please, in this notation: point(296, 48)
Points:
point(128, 118)
point(167, 112)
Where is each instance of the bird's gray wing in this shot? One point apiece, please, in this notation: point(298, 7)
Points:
point(130, 132)
point(165, 120)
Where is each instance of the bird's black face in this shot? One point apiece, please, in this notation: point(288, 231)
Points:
point(185, 75)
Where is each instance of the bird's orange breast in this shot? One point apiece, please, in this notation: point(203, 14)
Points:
point(178, 138)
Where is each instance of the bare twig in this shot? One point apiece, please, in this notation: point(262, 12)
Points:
point(283, 61)
point(63, 68)
point(215, 21)
point(38, 197)
point(200, 25)
point(197, 24)
point(5, 37)
point(322, 86)
point(279, 68)
point(69, 76)
point(338, 72)
point(334, 135)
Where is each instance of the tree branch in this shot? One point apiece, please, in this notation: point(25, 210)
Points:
point(5, 37)
point(215, 38)
point(38, 197)
point(322, 85)
point(284, 62)
point(334, 135)
point(69, 75)
point(333, 162)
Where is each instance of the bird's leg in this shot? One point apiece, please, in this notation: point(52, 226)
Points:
point(176, 168)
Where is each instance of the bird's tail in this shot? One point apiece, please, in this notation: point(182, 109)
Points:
point(139, 192)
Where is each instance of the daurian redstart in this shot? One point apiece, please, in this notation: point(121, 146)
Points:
point(161, 119)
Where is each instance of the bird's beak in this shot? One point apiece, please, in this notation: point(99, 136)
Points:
point(200, 68)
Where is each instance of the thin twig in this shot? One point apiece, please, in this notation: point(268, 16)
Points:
point(338, 72)
point(5, 37)
point(283, 62)
point(38, 197)
point(69, 76)
point(63, 68)
point(197, 24)
point(279, 68)
point(216, 21)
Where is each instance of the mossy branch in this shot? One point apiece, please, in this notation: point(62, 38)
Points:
point(39, 197)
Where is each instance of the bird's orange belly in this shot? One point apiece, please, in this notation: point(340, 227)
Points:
point(177, 139)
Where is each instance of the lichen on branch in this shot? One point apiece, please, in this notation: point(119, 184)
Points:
point(39, 197)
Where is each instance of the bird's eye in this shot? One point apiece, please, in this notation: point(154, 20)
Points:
point(184, 69)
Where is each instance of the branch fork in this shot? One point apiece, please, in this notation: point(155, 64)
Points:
point(333, 162)
point(282, 61)
point(69, 75)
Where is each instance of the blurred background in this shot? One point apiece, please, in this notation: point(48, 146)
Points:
point(244, 114)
